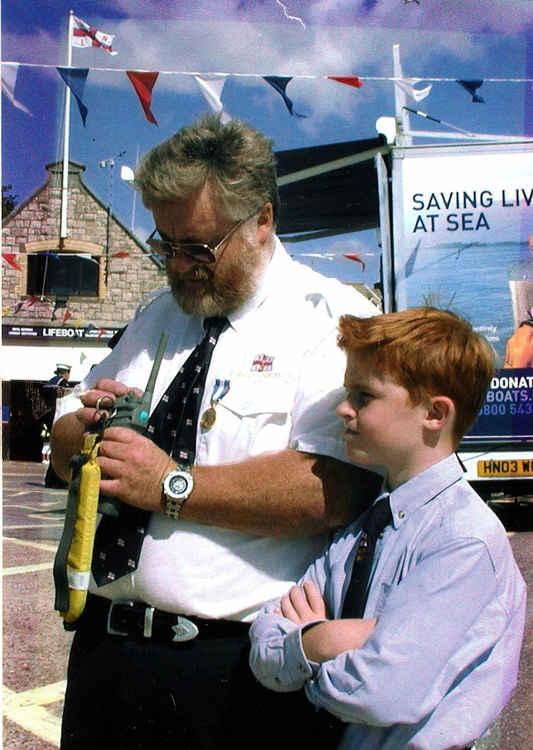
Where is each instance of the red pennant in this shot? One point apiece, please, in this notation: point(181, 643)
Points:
point(348, 80)
point(143, 84)
point(121, 254)
point(354, 256)
point(9, 258)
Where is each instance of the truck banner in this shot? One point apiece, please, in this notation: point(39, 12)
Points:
point(463, 222)
point(508, 409)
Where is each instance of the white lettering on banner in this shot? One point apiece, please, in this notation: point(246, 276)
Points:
point(509, 395)
point(512, 381)
point(59, 332)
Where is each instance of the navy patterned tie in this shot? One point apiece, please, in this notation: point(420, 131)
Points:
point(378, 518)
point(172, 426)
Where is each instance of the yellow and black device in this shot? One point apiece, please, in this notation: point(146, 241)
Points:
point(72, 563)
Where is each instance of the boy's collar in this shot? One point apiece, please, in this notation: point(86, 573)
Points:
point(416, 492)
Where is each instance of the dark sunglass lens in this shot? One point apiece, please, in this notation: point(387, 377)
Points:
point(200, 254)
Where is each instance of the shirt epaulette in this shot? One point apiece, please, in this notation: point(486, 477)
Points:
point(150, 299)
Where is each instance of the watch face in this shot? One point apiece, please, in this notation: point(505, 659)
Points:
point(177, 484)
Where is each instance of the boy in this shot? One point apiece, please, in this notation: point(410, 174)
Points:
point(432, 657)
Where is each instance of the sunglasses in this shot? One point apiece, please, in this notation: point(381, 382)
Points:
point(199, 252)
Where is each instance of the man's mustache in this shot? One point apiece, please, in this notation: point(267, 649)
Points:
point(195, 274)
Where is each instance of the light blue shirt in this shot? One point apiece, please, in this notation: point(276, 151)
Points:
point(442, 661)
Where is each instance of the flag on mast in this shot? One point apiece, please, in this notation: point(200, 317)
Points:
point(84, 35)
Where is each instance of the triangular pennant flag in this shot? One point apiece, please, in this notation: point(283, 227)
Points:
point(25, 304)
point(9, 80)
point(279, 83)
point(348, 80)
point(211, 87)
point(143, 84)
point(84, 35)
point(75, 79)
point(9, 260)
point(121, 254)
point(472, 87)
point(354, 256)
point(407, 85)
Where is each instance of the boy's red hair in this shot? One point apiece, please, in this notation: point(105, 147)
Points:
point(427, 351)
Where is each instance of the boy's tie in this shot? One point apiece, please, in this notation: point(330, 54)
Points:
point(378, 518)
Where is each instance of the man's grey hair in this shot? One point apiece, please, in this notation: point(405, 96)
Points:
point(233, 158)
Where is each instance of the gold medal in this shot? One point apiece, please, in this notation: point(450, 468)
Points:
point(208, 418)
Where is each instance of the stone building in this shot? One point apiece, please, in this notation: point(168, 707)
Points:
point(63, 299)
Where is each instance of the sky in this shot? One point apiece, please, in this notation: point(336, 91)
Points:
point(247, 39)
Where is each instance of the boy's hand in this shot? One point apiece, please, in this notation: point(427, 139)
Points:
point(303, 604)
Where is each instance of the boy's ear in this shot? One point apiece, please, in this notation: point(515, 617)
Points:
point(441, 411)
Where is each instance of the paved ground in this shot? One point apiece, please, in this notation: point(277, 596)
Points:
point(35, 646)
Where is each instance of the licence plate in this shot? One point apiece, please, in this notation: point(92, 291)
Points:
point(509, 467)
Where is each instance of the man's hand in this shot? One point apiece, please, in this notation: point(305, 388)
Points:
point(101, 399)
point(133, 468)
point(303, 604)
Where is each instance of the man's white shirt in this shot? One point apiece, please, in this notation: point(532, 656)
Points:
point(285, 372)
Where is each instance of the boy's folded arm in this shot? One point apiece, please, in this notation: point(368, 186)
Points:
point(423, 625)
point(326, 640)
point(277, 658)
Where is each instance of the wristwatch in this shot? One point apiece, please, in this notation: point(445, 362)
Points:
point(177, 486)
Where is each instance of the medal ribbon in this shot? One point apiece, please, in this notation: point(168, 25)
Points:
point(220, 389)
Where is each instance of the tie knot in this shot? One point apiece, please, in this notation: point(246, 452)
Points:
point(215, 325)
point(379, 517)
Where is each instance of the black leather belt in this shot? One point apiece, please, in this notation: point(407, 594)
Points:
point(141, 621)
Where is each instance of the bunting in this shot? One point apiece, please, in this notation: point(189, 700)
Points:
point(472, 87)
point(75, 79)
point(25, 305)
point(143, 84)
point(9, 260)
point(347, 80)
point(84, 35)
point(354, 256)
point(279, 84)
point(407, 85)
point(9, 81)
point(211, 87)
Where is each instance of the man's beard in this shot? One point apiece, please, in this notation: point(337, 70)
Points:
point(206, 291)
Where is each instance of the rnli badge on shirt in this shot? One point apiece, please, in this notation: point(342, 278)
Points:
point(262, 363)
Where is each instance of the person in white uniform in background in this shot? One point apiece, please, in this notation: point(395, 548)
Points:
point(269, 479)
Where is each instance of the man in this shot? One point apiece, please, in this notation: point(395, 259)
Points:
point(54, 389)
point(241, 512)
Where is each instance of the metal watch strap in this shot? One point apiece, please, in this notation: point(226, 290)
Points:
point(173, 506)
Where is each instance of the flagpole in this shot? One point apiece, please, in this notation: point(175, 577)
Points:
point(400, 99)
point(66, 136)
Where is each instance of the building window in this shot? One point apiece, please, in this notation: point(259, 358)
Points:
point(63, 274)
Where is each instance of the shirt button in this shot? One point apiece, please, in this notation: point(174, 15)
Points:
point(401, 515)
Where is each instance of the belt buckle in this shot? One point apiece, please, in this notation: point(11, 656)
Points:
point(112, 605)
point(184, 630)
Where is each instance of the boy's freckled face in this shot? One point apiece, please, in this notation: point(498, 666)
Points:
point(382, 427)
